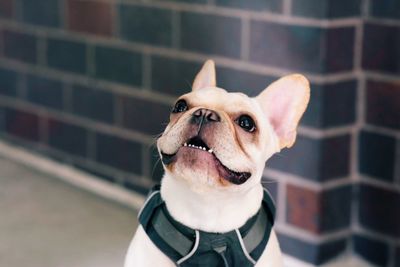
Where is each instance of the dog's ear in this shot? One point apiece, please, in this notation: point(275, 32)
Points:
point(284, 102)
point(206, 76)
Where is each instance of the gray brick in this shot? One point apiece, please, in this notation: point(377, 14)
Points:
point(210, 34)
point(146, 25)
point(118, 65)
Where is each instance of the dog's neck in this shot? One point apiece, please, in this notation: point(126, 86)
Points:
point(209, 212)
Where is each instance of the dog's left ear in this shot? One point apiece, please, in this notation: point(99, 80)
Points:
point(206, 77)
point(284, 102)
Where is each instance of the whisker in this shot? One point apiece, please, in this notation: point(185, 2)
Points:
point(269, 182)
point(155, 165)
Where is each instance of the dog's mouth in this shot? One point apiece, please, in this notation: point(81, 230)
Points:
point(200, 146)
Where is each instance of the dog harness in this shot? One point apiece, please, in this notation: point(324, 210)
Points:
point(188, 247)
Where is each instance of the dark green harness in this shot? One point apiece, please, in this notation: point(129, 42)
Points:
point(187, 247)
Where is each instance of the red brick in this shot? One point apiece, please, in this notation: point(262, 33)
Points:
point(383, 107)
point(90, 17)
point(319, 211)
point(303, 208)
point(6, 8)
point(21, 124)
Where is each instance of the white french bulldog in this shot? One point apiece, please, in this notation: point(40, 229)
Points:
point(214, 151)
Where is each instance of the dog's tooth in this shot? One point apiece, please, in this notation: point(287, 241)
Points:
point(210, 151)
point(184, 144)
point(204, 149)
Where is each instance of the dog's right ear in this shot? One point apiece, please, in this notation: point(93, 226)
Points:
point(206, 77)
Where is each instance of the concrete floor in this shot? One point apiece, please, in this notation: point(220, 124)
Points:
point(47, 223)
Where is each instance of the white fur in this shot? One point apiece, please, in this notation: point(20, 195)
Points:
point(192, 196)
point(199, 213)
point(206, 212)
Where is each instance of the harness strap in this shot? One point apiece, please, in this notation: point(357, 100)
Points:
point(256, 233)
point(183, 245)
point(180, 247)
point(170, 234)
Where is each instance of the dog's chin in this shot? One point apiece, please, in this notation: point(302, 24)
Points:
point(202, 167)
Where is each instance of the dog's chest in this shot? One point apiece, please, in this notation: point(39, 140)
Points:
point(188, 247)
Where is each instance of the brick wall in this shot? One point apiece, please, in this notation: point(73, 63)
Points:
point(90, 83)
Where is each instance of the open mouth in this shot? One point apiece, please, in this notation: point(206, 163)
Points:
point(226, 173)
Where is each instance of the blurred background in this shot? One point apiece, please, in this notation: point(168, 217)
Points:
point(88, 85)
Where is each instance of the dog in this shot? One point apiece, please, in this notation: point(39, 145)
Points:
point(211, 208)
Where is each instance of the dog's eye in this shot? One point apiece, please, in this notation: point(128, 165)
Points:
point(247, 123)
point(180, 106)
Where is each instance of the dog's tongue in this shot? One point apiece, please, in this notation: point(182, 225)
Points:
point(203, 159)
point(231, 176)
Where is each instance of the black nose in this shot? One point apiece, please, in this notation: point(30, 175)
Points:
point(203, 115)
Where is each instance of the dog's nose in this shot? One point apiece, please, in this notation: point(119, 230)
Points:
point(204, 115)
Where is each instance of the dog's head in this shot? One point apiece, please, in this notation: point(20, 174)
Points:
point(217, 140)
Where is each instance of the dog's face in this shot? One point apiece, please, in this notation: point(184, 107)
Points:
point(217, 140)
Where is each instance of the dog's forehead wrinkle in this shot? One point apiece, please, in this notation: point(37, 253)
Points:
point(219, 97)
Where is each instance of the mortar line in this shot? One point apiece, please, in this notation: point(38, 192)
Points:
point(382, 130)
point(83, 122)
point(184, 55)
point(315, 238)
point(383, 21)
point(358, 45)
point(245, 39)
point(365, 8)
point(18, 13)
point(371, 181)
point(115, 27)
point(375, 235)
point(306, 182)
point(307, 131)
point(150, 95)
point(287, 7)
point(267, 16)
point(377, 76)
point(325, 133)
point(282, 210)
point(87, 81)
